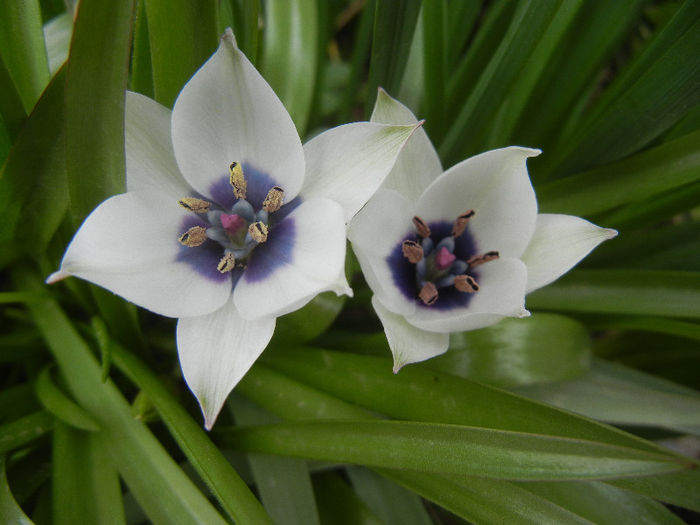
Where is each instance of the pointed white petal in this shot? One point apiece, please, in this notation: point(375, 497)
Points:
point(216, 350)
point(350, 162)
point(501, 294)
point(497, 187)
point(302, 257)
point(150, 161)
point(419, 164)
point(559, 243)
point(409, 344)
point(129, 245)
point(375, 233)
point(227, 112)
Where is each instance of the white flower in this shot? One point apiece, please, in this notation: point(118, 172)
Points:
point(228, 222)
point(459, 250)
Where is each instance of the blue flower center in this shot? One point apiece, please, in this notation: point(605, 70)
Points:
point(246, 213)
point(435, 265)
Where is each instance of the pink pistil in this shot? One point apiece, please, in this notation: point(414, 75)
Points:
point(444, 259)
point(232, 222)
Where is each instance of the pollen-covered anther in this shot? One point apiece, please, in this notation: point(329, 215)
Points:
point(237, 180)
point(412, 251)
point(194, 204)
point(476, 260)
point(461, 223)
point(422, 228)
point(227, 263)
point(195, 236)
point(274, 199)
point(428, 294)
point(258, 231)
point(466, 284)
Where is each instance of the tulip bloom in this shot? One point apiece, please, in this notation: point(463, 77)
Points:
point(228, 221)
point(459, 250)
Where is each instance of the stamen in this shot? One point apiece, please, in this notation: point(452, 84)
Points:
point(466, 284)
point(461, 223)
point(195, 236)
point(458, 267)
point(227, 263)
point(258, 231)
point(421, 227)
point(237, 180)
point(412, 251)
point(194, 204)
point(428, 294)
point(444, 259)
point(274, 199)
point(244, 209)
point(427, 245)
point(476, 260)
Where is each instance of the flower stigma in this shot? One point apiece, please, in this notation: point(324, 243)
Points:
point(237, 230)
point(442, 259)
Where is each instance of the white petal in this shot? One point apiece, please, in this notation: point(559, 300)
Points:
point(418, 164)
point(129, 245)
point(216, 350)
point(559, 242)
point(375, 232)
point(409, 344)
point(350, 162)
point(501, 294)
point(227, 112)
point(302, 257)
point(150, 161)
point(497, 187)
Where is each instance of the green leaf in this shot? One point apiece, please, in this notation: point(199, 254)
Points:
point(33, 187)
point(394, 25)
point(658, 325)
point(284, 484)
point(17, 401)
point(24, 430)
point(464, 137)
point(602, 503)
point(308, 322)
point(541, 348)
point(10, 511)
point(85, 483)
point(654, 93)
point(420, 394)
point(94, 100)
point(57, 33)
point(639, 292)
point(481, 500)
point(434, 21)
point(246, 16)
point(668, 166)
point(141, 78)
point(183, 35)
point(289, 59)
point(23, 51)
point(393, 504)
point(12, 113)
point(679, 488)
point(622, 396)
point(165, 493)
point(451, 449)
point(338, 503)
point(231, 492)
point(60, 406)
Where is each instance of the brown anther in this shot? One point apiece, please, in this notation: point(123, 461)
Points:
point(412, 251)
point(428, 294)
point(274, 199)
point(466, 284)
point(422, 228)
point(476, 260)
point(194, 204)
point(237, 180)
point(461, 223)
point(227, 263)
point(258, 231)
point(195, 236)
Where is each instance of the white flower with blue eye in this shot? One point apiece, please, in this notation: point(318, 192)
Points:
point(228, 222)
point(459, 250)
